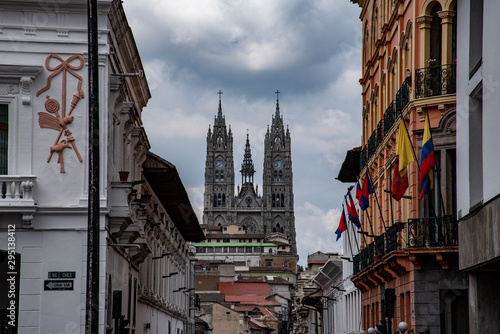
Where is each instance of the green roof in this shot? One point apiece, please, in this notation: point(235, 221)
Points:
point(233, 244)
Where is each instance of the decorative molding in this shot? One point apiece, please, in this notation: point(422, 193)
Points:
point(26, 90)
point(29, 31)
point(416, 260)
point(62, 33)
point(424, 21)
point(9, 89)
point(60, 122)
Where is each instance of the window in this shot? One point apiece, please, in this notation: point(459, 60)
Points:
point(269, 263)
point(285, 264)
point(476, 147)
point(476, 36)
point(436, 36)
point(4, 136)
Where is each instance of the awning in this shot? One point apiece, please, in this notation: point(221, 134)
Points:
point(163, 178)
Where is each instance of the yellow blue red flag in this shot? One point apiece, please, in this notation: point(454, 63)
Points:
point(427, 161)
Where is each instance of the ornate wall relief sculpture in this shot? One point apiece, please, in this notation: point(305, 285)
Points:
point(52, 119)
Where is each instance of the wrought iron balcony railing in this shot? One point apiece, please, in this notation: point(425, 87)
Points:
point(433, 232)
point(391, 114)
point(435, 80)
point(355, 264)
point(416, 233)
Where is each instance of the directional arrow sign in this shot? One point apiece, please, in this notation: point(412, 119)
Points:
point(57, 285)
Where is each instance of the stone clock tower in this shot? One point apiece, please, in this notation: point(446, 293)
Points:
point(219, 173)
point(278, 211)
point(266, 214)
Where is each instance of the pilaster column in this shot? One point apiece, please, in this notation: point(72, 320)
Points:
point(447, 36)
point(425, 35)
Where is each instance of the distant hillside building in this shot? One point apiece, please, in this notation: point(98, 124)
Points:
point(271, 212)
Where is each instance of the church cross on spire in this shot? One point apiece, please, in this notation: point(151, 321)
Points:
point(277, 117)
point(219, 114)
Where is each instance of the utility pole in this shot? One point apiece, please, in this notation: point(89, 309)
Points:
point(92, 298)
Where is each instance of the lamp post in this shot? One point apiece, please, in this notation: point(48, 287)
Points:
point(403, 326)
point(92, 296)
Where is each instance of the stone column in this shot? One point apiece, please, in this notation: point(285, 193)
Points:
point(425, 35)
point(447, 36)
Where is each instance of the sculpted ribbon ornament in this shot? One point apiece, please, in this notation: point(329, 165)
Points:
point(60, 122)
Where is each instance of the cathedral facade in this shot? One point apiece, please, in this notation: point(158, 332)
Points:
point(271, 212)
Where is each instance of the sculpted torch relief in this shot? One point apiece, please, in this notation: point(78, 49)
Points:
point(52, 119)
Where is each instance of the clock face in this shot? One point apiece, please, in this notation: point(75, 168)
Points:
point(219, 164)
point(278, 164)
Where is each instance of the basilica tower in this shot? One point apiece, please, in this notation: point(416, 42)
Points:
point(270, 213)
point(219, 173)
point(278, 209)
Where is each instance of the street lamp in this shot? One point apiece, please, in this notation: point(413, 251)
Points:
point(403, 326)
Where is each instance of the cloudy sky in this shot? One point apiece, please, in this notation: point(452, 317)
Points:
point(308, 49)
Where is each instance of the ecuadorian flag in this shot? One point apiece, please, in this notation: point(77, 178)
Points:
point(342, 225)
point(427, 161)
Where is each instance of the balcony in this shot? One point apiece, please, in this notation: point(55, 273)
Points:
point(433, 232)
point(16, 195)
point(435, 80)
point(434, 236)
point(391, 115)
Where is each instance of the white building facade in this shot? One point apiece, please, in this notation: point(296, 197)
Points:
point(146, 220)
point(478, 186)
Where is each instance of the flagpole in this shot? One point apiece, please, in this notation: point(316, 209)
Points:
point(368, 216)
point(345, 198)
point(437, 169)
point(409, 138)
point(348, 236)
point(390, 196)
point(378, 204)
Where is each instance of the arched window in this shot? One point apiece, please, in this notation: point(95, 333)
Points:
point(366, 45)
point(454, 38)
point(219, 200)
point(282, 200)
point(223, 200)
point(215, 201)
point(273, 204)
point(280, 176)
point(436, 36)
point(375, 25)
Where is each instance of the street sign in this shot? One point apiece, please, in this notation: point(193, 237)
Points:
point(49, 285)
point(62, 274)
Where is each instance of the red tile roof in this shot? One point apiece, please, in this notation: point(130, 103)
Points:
point(244, 289)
